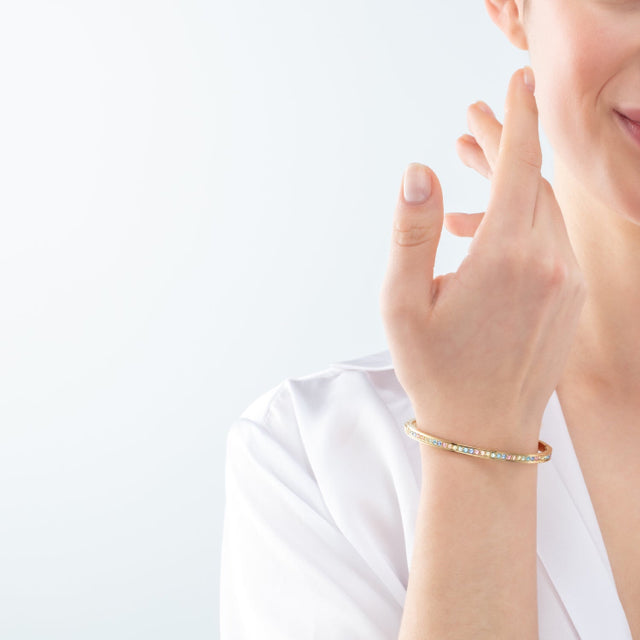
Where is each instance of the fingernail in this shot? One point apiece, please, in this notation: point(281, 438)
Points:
point(484, 107)
point(529, 80)
point(417, 183)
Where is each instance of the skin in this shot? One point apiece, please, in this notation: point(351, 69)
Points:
point(478, 353)
point(585, 55)
point(586, 59)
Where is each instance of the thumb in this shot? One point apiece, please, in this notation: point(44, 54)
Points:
point(417, 226)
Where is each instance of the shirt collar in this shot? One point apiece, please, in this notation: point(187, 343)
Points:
point(569, 540)
point(379, 361)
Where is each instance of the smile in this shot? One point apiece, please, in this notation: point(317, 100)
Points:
point(631, 127)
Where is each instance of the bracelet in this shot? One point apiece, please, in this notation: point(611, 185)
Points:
point(542, 455)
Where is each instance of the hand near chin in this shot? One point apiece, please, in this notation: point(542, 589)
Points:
point(480, 350)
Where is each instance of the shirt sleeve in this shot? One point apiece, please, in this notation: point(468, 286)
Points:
point(287, 571)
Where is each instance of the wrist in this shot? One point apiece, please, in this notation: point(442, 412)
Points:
point(481, 435)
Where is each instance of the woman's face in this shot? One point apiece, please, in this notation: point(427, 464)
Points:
point(586, 58)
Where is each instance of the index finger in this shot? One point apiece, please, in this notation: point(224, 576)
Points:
point(516, 179)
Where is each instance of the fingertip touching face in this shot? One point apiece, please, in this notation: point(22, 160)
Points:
point(586, 58)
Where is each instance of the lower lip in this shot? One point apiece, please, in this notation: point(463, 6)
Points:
point(630, 126)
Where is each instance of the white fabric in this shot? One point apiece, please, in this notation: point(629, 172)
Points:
point(322, 488)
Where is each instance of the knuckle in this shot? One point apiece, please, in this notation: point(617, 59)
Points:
point(530, 157)
point(550, 272)
point(410, 233)
point(527, 155)
point(553, 272)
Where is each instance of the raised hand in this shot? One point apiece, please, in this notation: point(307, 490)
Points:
point(479, 351)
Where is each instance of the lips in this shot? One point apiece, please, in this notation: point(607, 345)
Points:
point(630, 114)
point(631, 127)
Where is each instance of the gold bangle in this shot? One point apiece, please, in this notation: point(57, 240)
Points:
point(542, 455)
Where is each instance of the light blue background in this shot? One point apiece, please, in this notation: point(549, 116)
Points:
point(196, 203)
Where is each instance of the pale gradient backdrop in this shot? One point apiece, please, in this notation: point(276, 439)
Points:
point(196, 203)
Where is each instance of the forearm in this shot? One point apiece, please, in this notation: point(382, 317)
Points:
point(473, 570)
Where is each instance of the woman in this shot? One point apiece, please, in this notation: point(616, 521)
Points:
point(340, 526)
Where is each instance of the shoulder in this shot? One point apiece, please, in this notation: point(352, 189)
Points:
point(311, 391)
point(338, 426)
point(326, 417)
point(320, 495)
point(327, 451)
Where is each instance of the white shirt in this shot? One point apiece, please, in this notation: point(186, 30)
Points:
point(322, 489)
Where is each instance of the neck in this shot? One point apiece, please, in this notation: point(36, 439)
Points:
point(606, 350)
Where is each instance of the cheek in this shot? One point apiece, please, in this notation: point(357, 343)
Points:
point(585, 65)
point(574, 60)
point(576, 94)
point(566, 107)
point(574, 69)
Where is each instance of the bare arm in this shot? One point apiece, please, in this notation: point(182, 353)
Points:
point(483, 344)
point(473, 570)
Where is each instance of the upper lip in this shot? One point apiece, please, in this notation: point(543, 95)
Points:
point(631, 114)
